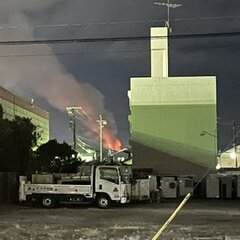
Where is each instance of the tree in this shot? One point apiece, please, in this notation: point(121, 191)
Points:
point(17, 139)
point(8, 160)
point(56, 157)
point(25, 139)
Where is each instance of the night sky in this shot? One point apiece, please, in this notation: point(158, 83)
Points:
point(96, 75)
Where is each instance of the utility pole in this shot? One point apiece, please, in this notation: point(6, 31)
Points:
point(102, 123)
point(72, 116)
point(74, 130)
point(234, 142)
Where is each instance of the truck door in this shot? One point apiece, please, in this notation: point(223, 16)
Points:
point(108, 181)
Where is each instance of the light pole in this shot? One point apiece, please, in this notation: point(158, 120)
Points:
point(102, 123)
point(168, 5)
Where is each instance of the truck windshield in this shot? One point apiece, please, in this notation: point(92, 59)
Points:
point(109, 174)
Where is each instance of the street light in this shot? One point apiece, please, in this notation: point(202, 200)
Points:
point(203, 133)
point(168, 5)
point(102, 123)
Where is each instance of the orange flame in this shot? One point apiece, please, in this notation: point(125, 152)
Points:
point(109, 139)
point(111, 142)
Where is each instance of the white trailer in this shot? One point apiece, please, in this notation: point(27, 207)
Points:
point(168, 187)
point(102, 185)
point(212, 186)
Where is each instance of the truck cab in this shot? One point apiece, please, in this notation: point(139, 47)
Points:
point(109, 185)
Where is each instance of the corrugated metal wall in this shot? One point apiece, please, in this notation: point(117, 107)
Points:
point(8, 187)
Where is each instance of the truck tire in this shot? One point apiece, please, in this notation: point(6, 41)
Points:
point(48, 201)
point(103, 201)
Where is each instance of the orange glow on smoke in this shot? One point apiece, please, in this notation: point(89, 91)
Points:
point(110, 142)
point(109, 139)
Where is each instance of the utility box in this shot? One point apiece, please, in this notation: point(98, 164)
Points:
point(185, 185)
point(140, 190)
point(144, 189)
point(212, 186)
point(168, 187)
point(226, 187)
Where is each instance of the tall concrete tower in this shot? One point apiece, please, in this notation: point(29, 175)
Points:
point(159, 52)
point(168, 115)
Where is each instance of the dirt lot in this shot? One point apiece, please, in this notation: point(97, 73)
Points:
point(197, 220)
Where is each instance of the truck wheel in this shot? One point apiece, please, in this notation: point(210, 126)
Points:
point(103, 201)
point(48, 202)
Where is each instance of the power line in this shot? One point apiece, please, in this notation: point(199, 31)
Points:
point(74, 53)
point(119, 39)
point(137, 51)
point(74, 25)
point(205, 18)
point(128, 51)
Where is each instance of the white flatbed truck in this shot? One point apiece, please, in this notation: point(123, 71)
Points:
point(103, 185)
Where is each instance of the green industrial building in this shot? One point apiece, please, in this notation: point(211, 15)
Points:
point(173, 119)
point(13, 105)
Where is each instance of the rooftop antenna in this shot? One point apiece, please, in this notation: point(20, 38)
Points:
point(168, 5)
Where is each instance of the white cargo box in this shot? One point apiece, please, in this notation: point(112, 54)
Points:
point(42, 178)
point(212, 186)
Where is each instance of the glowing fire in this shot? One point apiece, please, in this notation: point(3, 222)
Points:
point(111, 143)
point(109, 140)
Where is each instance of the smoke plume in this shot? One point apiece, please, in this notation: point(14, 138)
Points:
point(45, 77)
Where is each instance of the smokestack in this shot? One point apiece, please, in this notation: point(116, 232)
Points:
point(159, 52)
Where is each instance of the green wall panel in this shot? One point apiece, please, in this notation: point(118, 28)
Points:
point(176, 129)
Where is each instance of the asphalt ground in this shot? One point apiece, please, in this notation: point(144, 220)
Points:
point(199, 219)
